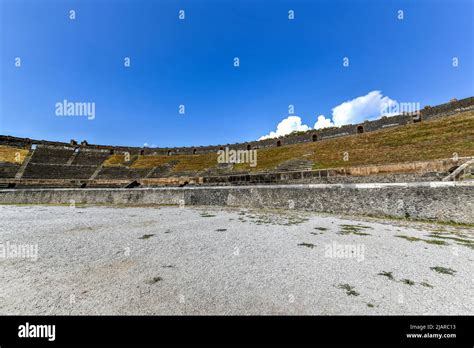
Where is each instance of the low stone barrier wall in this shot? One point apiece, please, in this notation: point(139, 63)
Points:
point(309, 177)
point(440, 201)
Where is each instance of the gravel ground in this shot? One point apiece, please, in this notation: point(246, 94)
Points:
point(202, 260)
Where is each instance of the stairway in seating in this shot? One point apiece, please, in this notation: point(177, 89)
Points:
point(22, 168)
point(96, 172)
point(73, 157)
point(294, 166)
point(462, 169)
point(161, 171)
point(218, 170)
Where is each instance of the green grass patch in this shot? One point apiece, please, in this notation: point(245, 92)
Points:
point(443, 270)
point(206, 214)
point(389, 275)
point(416, 239)
point(456, 239)
point(154, 280)
point(349, 290)
point(308, 245)
point(408, 282)
point(146, 236)
point(354, 229)
point(408, 238)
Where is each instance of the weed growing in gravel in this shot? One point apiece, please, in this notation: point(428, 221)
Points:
point(410, 239)
point(437, 224)
point(456, 232)
point(437, 242)
point(354, 229)
point(349, 289)
point(154, 280)
point(460, 241)
point(308, 245)
point(146, 236)
point(416, 239)
point(273, 218)
point(295, 220)
point(408, 282)
point(321, 228)
point(443, 270)
point(390, 276)
point(370, 305)
point(206, 214)
point(387, 274)
point(426, 284)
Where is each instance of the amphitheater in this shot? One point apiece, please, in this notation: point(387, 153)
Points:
point(202, 237)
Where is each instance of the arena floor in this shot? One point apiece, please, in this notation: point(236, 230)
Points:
point(201, 260)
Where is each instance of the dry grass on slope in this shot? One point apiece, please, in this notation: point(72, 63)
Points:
point(428, 140)
point(12, 154)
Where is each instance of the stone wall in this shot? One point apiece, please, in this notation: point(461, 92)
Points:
point(80, 176)
point(400, 172)
point(8, 170)
point(306, 178)
point(447, 109)
point(426, 113)
point(45, 154)
point(90, 157)
point(51, 171)
point(110, 173)
point(445, 201)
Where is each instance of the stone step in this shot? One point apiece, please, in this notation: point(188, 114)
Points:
point(23, 166)
point(294, 166)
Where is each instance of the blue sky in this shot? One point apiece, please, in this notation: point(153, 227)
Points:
point(190, 62)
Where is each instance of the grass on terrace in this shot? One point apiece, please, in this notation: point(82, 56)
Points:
point(428, 140)
point(186, 162)
point(12, 154)
point(118, 160)
point(416, 142)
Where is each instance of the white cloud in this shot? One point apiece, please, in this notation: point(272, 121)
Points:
point(147, 145)
point(286, 126)
point(367, 107)
point(323, 122)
